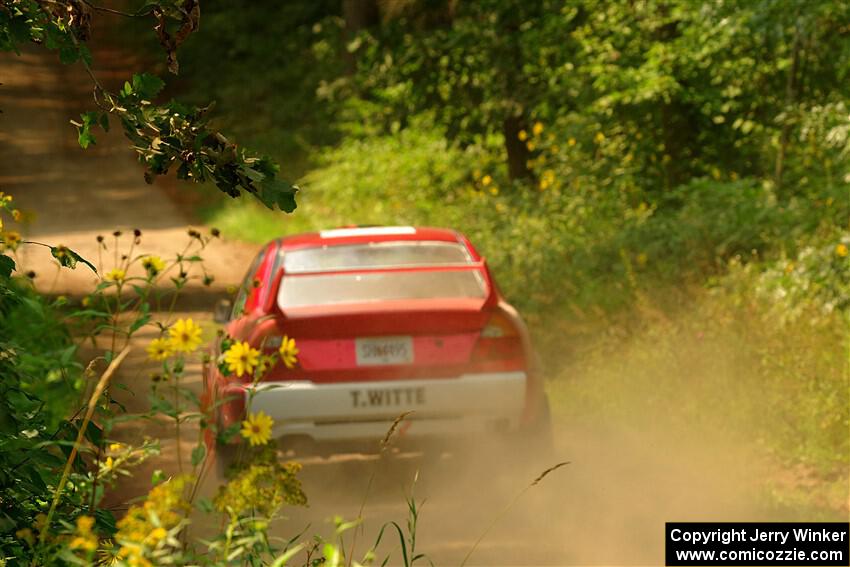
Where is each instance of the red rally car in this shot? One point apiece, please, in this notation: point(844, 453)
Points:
point(386, 319)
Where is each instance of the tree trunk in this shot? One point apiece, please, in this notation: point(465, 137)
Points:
point(790, 97)
point(516, 149)
point(358, 15)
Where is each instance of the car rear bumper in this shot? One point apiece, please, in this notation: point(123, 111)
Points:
point(469, 404)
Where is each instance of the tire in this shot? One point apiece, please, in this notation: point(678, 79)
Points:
point(226, 455)
point(535, 442)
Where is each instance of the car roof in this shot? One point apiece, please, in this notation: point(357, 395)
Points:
point(360, 235)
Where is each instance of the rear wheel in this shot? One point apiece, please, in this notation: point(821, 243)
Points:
point(226, 455)
point(535, 442)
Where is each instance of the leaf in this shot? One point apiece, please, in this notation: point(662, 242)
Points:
point(190, 395)
point(85, 138)
point(68, 55)
point(163, 406)
point(68, 258)
point(7, 266)
point(274, 192)
point(199, 453)
point(94, 433)
point(89, 313)
point(228, 432)
point(143, 318)
point(157, 477)
point(205, 505)
point(147, 86)
point(106, 521)
point(287, 555)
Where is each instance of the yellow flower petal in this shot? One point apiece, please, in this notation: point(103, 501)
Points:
point(257, 428)
point(288, 352)
point(159, 349)
point(184, 336)
point(116, 275)
point(241, 358)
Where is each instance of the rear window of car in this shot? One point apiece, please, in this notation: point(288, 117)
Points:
point(330, 275)
point(375, 255)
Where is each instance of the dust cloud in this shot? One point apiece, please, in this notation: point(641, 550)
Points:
point(663, 449)
point(607, 507)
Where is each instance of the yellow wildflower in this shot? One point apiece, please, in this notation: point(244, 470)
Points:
point(109, 463)
point(40, 518)
point(599, 138)
point(159, 349)
point(523, 135)
point(165, 507)
point(537, 129)
point(260, 489)
point(241, 358)
point(26, 535)
point(153, 265)
point(530, 145)
point(486, 180)
point(83, 544)
point(156, 535)
point(257, 429)
point(12, 239)
point(116, 275)
point(84, 539)
point(184, 336)
point(138, 561)
point(841, 250)
point(16, 214)
point(85, 524)
point(288, 352)
point(571, 142)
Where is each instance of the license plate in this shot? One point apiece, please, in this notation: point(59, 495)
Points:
point(382, 351)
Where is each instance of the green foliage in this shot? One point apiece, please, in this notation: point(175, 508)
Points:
point(67, 258)
point(39, 349)
point(163, 135)
point(7, 266)
point(728, 366)
point(41, 382)
point(275, 64)
point(660, 139)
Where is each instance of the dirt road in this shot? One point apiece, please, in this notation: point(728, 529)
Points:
point(607, 507)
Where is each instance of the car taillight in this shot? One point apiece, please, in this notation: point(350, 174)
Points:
point(499, 326)
point(500, 342)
